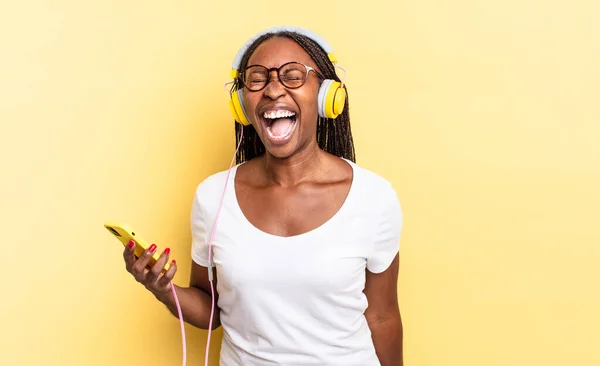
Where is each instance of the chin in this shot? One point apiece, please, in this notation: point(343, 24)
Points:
point(282, 151)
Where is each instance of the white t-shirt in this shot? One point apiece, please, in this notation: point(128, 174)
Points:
point(297, 300)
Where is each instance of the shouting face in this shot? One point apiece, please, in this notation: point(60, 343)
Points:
point(282, 83)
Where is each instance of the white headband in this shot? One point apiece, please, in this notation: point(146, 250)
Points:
point(305, 32)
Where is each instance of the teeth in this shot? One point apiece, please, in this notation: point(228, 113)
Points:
point(278, 114)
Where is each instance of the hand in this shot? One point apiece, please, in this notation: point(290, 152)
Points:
point(156, 282)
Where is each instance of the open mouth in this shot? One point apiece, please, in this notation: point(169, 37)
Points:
point(280, 124)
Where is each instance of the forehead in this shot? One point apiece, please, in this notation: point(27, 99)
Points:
point(276, 51)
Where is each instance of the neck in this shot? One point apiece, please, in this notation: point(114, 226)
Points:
point(291, 171)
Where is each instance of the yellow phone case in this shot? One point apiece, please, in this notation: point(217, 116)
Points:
point(125, 233)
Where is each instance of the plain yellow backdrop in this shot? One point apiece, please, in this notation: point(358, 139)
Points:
point(484, 114)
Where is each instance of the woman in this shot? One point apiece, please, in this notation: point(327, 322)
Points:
point(306, 251)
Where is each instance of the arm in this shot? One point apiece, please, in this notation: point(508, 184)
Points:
point(383, 314)
point(195, 300)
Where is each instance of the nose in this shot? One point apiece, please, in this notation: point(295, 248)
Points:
point(274, 89)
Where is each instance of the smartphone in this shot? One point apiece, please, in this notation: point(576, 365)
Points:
point(125, 233)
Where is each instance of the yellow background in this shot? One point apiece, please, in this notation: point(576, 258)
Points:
point(484, 114)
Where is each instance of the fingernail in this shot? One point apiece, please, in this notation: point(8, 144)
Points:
point(167, 251)
point(130, 244)
point(173, 261)
point(152, 248)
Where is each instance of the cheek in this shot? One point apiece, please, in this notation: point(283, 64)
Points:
point(250, 103)
point(309, 104)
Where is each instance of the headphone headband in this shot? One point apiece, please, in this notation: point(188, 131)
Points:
point(305, 32)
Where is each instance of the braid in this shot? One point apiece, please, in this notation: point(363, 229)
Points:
point(333, 135)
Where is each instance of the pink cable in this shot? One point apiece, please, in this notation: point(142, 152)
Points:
point(212, 289)
point(183, 342)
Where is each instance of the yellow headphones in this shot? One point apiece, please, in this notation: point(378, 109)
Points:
point(331, 97)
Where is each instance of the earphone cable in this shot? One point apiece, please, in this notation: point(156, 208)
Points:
point(179, 313)
point(210, 251)
point(210, 275)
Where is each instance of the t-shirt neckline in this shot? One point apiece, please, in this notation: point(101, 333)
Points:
point(339, 213)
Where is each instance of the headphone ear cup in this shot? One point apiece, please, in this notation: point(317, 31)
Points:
point(233, 110)
point(236, 103)
point(331, 99)
point(338, 99)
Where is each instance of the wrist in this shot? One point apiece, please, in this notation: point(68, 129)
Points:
point(165, 296)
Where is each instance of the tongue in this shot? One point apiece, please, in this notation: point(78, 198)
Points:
point(281, 126)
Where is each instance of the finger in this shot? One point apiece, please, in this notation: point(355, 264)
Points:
point(168, 276)
point(158, 267)
point(129, 256)
point(141, 276)
point(139, 268)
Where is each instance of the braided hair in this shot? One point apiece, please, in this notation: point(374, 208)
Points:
point(333, 135)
